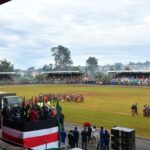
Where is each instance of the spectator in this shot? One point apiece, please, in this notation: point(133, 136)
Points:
point(106, 140)
point(46, 113)
point(89, 133)
point(33, 115)
point(15, 113)
point(102, 144)
point(84, 135)
point(5, 113)
point(70, 139)
point(93, 135)
point(75, 137)
point(63, 135)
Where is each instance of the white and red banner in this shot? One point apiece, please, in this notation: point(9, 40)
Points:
point(42, 139)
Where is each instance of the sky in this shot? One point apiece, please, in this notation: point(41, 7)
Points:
point(110, 30)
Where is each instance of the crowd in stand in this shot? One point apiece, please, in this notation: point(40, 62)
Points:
point(88, 135)
point(130, 81)
point(65, 80)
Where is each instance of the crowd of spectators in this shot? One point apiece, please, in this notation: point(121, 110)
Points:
point(146, 111)
point(39, 107)
point(31, 112)
point(48, 80)
point(64, 80)
point(89, 135)
point(130, 81)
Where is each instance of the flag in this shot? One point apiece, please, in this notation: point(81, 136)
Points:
point(23, 102)
point(35, 100)
point(31, 101)
point(45, 99)
point(58, 109)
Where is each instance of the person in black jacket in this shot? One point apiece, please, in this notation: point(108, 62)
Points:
point(84, 135)
point(61, 119)
point(106, 140)
point(70, 139)
point(5, 113)
point(89, 133)
point(75, 136)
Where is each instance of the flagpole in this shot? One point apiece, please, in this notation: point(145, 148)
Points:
point(59, 126)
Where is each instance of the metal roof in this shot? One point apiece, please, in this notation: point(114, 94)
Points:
point(129, 71)
point(2, 73)
point(60, 72)
point(12, 96)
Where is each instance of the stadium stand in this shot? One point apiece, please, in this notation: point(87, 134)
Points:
point(63, 77)
point(7, 78)
point(139, 77)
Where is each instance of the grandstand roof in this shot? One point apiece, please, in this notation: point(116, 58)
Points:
point(10, 73)
point(61, 72)
point(4, 1)
point(129, 71)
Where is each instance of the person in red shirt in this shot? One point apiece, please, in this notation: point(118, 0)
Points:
point(33, 115)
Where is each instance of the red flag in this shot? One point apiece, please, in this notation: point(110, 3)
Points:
point(45, 98)
point(35, 100)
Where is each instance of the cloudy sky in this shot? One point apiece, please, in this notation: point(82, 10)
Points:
point(111, 30)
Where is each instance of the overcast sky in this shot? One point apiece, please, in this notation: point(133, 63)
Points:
point(111, 30)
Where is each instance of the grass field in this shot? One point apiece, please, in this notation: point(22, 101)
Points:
point(104, 105)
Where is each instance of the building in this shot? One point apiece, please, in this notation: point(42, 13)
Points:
point(7, 77)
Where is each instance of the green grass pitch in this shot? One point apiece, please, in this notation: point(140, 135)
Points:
point(106, 106)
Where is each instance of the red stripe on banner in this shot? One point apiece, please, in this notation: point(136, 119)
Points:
point(34, 141)
point(40, 140)
point(12, 139)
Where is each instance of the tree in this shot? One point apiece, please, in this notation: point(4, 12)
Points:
point(112, 68)
point(127, 68)
point(92, 64)
point(39, 77)
point(75, 68)
point(102, 77)
point(6, 66)
point(118, 66)
point(31, 68)
point(62, 57)
point(48, 67)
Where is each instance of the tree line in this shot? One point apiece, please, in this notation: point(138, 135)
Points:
point(6, 66)
point(63, 61)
